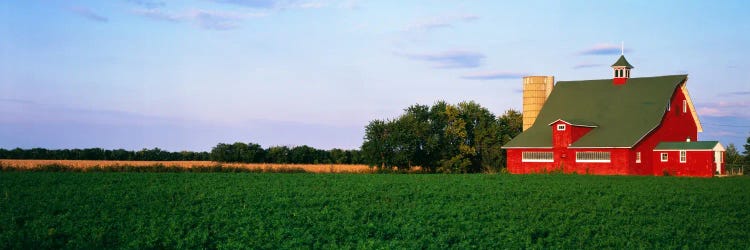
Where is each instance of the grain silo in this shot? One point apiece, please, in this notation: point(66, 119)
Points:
point(536, 89)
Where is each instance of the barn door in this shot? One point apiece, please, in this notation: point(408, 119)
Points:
point(717, 161)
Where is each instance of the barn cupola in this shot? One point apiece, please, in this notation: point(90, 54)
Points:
point(622, 70)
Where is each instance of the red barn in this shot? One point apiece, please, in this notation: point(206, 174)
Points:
point(619, 126)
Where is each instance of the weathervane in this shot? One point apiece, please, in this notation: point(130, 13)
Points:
point(622, 48)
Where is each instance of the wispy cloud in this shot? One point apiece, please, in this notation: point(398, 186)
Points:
point(448, 59)
point(19, 101)
point(725, 109)
point(277, 4)
point(158, 15)
point(260, 4)
point(350, 4)
point(587, 65)
point(493, 75)
point(603, 49)
point(88, 14)
point(148, 3)
point(213, 20)
point(441, 22)
point(739, 93)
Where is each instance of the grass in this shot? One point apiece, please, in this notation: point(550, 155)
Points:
point(272, 211)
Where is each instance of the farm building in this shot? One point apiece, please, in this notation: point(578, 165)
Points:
point(617, 126)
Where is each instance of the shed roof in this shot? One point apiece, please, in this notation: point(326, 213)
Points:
point(624, 114)
point(693, 145)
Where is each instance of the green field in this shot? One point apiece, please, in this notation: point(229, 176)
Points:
point(250, 210)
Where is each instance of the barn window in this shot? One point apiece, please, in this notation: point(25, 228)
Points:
point(638, 157)
point(593, 157)
point(664, 157)
point(683, 156)
point(561, 127)
point(537, 157)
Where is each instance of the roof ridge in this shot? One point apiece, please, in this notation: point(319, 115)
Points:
point(610, 79)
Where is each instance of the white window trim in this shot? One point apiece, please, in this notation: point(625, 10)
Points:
point(683, 156)
point(524, 159)
point(561, 127)
point(669, 106)
point(684, 106)
point(637, 157)
point(594, 161)
point(664, 157)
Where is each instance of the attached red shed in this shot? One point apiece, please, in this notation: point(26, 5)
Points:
point(704, 158)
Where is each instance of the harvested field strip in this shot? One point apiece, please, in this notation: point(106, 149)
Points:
point(198, 166)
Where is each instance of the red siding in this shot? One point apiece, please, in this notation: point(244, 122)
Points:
point(619, 80)
point(698, 163)
point(618, 164)
point(565, 161)
point(515, 165)
point(561, 139)
point(578, 132)
point(675, 126)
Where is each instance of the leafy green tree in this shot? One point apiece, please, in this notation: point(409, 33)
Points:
point(510, 125)
point(376, 148)
point(733, 156)
point(463, 138)
point(339, 156)
point(302, 154)
point(278, 154)
point(484, 135)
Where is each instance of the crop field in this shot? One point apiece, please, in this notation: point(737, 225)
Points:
point(272, 211)
point(84, 165)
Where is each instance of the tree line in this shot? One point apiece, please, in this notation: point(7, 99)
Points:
point(254, 153)
point(155, 154)
point(445, 138)
point(235, 152)
point(734, 158)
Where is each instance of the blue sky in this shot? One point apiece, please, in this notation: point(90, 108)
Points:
point(186, 75)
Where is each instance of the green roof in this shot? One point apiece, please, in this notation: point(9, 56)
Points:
point(622, 62)
point(624, 114)
point(577, 123)
point(693, 145)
